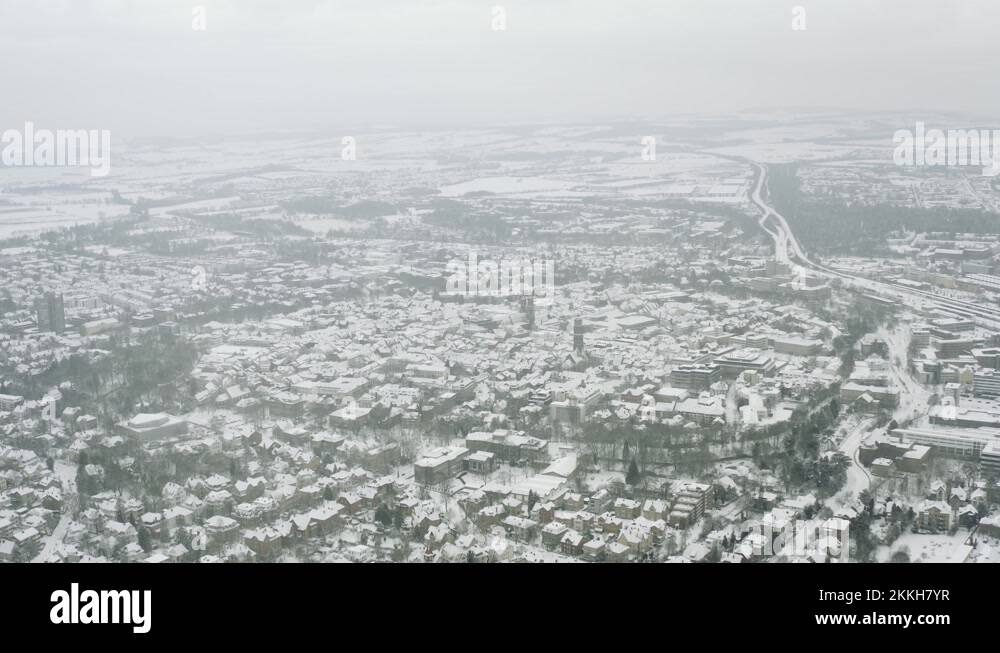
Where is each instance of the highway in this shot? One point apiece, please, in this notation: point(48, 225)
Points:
point(913, 397)
point(787, 250)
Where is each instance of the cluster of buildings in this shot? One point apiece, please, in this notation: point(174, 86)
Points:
point(341, 403)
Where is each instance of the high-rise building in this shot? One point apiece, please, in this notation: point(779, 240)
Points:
point(50, 313)
point(986, 383)
point(528, 305)
point(989, 457)
point(578, 335)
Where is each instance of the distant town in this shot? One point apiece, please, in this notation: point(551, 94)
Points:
point(738, 349)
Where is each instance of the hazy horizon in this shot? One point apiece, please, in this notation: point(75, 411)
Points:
point(143, 72)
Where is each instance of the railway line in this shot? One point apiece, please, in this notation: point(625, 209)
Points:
point(788, 250)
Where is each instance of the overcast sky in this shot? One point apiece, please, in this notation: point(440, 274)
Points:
point(139, 68)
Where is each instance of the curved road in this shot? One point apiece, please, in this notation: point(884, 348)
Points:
point(67, 475)
point(784, 240)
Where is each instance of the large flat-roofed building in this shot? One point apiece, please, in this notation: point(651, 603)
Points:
point(957, 346)
point(636, 322)
point(797, 346)
point(697, 356)
point(883, 467)
point(906, 455)
point(966, 444)
point(671, 394)
point(981, 280)
point(882, 446)
point(695, 377)
point(734, 363)
point(916, 459)
point(886, 396)
point(428, 371)
point(481, 462)
point(970, 413)
point(284, 404)
point(340, 387)
point(807, 292)
point(10, 402)
point(988, 357)
point(154, 426)
point(870, 372)
point(986, 383)
point(575, 406)
point(703, 409)
point(508, 445)
point(438, 465)
point(952, 325)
